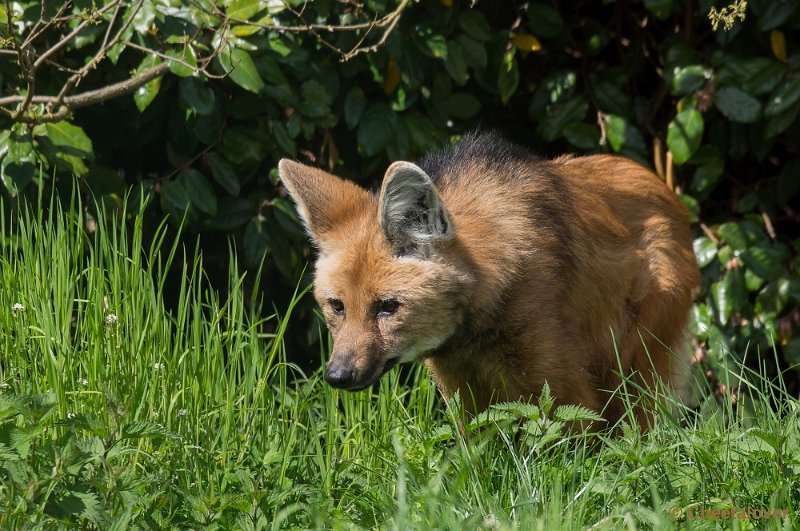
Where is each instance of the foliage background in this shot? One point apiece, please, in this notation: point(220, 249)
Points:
point(350, 86)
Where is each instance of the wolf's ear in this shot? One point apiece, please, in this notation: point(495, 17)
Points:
point(323, 200)
point(412, 214)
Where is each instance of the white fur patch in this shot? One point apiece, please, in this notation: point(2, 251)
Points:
point(418, 350)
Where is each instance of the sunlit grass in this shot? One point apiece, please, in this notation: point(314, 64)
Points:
point(118, 411)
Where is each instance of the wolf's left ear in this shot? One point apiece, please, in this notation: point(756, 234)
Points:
point(323, 200)
point(412, 214)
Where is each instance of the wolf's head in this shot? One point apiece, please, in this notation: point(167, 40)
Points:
point(390, 278)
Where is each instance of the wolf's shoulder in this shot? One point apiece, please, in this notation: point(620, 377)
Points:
point(476, 151)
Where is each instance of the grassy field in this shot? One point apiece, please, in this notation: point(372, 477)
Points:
point(117, 412)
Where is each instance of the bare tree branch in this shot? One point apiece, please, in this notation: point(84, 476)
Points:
point(87, 98)
point(20, 108)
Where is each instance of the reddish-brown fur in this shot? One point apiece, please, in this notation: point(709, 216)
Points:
point(547, 266)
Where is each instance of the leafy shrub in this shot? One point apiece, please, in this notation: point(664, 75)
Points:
point(349, 86)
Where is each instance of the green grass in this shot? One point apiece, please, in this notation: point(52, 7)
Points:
point(116, 411)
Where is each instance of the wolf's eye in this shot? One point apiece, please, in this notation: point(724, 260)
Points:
point(337, 306)
point(387, 307)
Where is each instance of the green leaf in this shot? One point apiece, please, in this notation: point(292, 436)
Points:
point(462, 105)
point(242, 144)
point(144, 95)
point(474, 24)
point(573, 413)
point(455, 63)
point(544, 21)
point(774, 13)
point(773, 298)
point(779, 123)
point(354, 106)
point(435, 44)
point(16, 175)
point(733, 234)
point(558, 115)
point(103, 180)
point(232, 212)
point(474, 52)
point(187, 61)
point(70, 138)
point(424, 135)
point(765, 79)
point(278, 87)
point(65, 145)
point(784, 96)
point(731, 295)
point(175, 198)
point(243, 9)
point(612, 100)
point(622, 134)
point(197, 96)
point(705, 250)
point(766, 262)
point(737, 105)
point(20, 160)
point(582, 135)
point(5, 141)
point(283, 140)
point(145, 15)
point(752, 281)
point(77, 506)
point(684, 135)
point(142, 429)
point(256, 241)
point(597, 37)
point(200, 190)
point(241, 69)
point(376, 129)
point(687, 79)
point(316, 99)
point(692, 207)
point(508, 77)
point(223, 173)
point(707, 175)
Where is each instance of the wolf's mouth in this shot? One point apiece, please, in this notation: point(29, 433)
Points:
point(359, 386)
point(389, 365)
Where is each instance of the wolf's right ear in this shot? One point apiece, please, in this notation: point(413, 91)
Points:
point(322, 199)
point(412, 214)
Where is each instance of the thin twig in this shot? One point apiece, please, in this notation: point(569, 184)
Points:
point(670, 168)
point(64, 40)
point(768, 225)
point(709, 233)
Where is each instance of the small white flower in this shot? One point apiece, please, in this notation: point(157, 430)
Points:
point(112, 319)
point(70, 415)
point(4, 385)
point(83, 381)
point(158, 365)
point(17, 308)
point(182, 412)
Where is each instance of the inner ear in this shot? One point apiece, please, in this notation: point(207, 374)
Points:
point(412, 214)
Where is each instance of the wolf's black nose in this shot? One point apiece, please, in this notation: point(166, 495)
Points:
point(339, 375)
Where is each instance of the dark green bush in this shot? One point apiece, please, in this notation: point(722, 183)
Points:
point(224, 90)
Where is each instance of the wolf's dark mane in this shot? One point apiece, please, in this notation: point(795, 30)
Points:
point(488, 148)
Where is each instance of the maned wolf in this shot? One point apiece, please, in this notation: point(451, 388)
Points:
point(502, 271)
